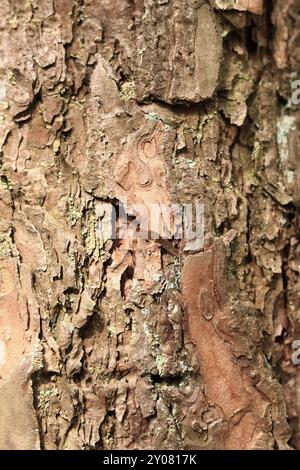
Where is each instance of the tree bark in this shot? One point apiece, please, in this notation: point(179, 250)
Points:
point(149, 343)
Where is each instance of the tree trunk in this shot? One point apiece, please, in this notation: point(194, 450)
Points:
point(149, 343)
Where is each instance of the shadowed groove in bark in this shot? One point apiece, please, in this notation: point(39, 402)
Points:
point(135, 344)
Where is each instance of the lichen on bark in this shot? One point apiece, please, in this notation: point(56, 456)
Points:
point(138, 344)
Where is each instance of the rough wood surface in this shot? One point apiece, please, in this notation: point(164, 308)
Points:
point(133, 344)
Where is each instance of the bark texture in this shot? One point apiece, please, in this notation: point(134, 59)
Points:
point(148, 344)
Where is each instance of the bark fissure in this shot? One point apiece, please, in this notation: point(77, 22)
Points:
point(149, 343)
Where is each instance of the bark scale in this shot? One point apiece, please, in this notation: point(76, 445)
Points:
point(142, 344)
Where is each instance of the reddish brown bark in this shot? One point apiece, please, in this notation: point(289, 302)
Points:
point(133, 344)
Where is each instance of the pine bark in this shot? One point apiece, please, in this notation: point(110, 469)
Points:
point(141, 344)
